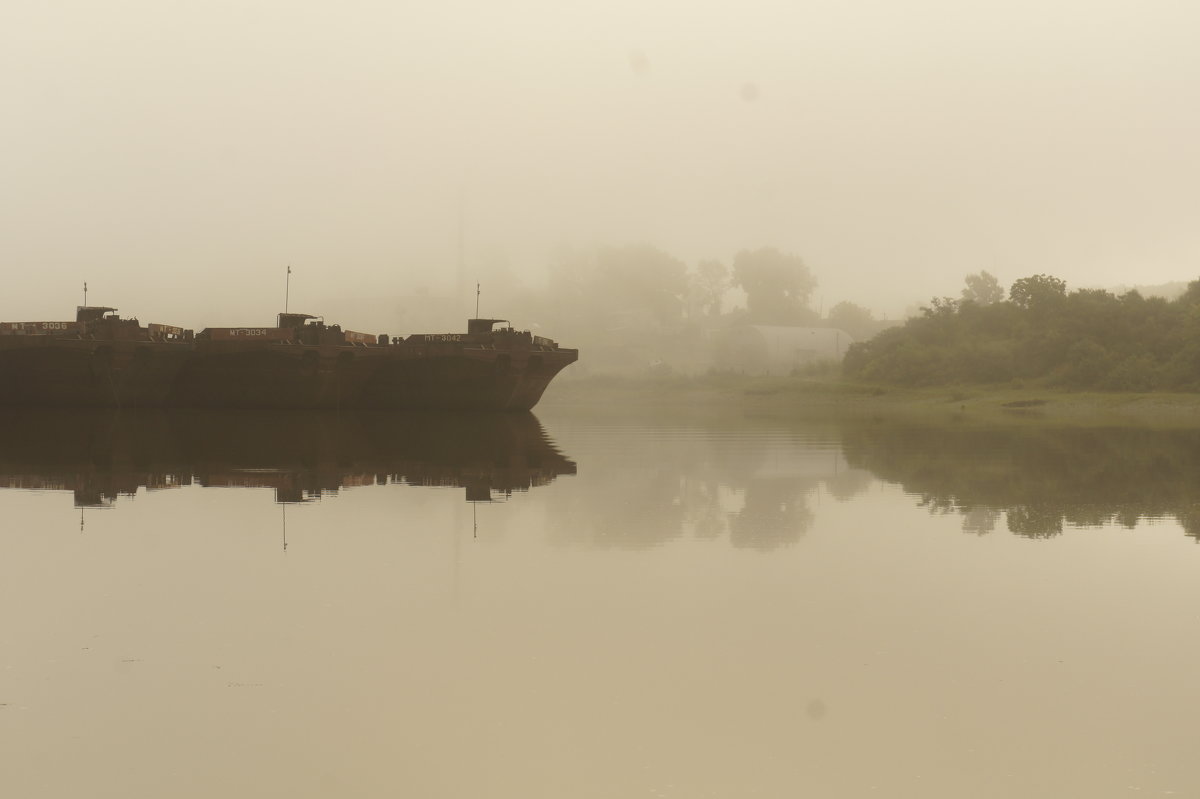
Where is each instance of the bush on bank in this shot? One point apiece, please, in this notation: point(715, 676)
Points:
point(1085, 339)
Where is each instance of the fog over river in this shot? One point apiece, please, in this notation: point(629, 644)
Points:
point(180, 156)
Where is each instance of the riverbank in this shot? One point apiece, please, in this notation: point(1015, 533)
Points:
point(796, 396)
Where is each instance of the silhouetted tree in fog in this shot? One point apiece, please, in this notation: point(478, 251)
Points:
point(643, 277)
point(854, 319)
point(711, 281)
point(589, 286)
point(624, 305)
point(777, 286)
point(983, 289)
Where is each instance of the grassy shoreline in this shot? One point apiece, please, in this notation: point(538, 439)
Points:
point(798, 396)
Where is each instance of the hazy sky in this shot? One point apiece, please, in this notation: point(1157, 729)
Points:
point(178, 155)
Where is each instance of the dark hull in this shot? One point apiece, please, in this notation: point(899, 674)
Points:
point(85, 373)
point(460, 383)
point(88, 374)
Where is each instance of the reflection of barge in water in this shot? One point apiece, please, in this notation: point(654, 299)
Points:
point(302, 455)
point(102, 360)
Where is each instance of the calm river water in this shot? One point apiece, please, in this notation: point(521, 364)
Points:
point(582, 604)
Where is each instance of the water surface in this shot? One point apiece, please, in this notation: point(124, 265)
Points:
point(594, 605)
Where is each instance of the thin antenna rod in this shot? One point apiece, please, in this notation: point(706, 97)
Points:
point(85, 294)
point(476, 300)
point(287, 287)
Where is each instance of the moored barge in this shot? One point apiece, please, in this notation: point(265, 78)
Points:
point(103, 360)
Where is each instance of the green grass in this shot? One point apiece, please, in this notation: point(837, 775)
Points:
point(834, 396)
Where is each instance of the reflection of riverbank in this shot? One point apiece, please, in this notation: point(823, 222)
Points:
point(756, 480)
point(654, 480)
point(1040, 478)
point(99, 456)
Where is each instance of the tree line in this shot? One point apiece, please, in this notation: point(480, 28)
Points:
point(633, 305)
point(644, 279)
point(1083, 339)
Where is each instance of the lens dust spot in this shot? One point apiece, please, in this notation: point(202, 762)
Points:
point(639, 63)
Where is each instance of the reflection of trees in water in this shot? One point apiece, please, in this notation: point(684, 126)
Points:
point(776, 513)
point(633, 498)
point(1040, 478)
point(980, 521)
point(645, 512)
point(776, 479)
point(647, 490)
point(705, 513)
point(848, 484)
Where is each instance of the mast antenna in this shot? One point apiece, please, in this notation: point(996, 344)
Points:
point(85, 294)
point(476, 300)
point(287, 287)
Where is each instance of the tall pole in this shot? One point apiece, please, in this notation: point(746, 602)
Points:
point(287, 287)
point(85, 294)
point(476, 300)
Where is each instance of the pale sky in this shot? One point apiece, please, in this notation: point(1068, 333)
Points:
point(178, 155)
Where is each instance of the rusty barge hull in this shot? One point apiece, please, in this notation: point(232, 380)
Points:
point(83, 374)
point(305, 367)
point(313, 377)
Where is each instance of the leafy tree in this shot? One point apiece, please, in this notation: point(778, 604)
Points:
point(983, 289)
point(623, 305)
point(711, 281)
point(1192, 295)
point(777, 286)
point(854, 319)
point(1037, 291)
point(591, 285)
point(642, 277)
point(940, 306)
point(1092, 339)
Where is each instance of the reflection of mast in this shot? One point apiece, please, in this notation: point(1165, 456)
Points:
point(456, 554)
point(81, 520)
point(458, 548)
point(284, 506)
